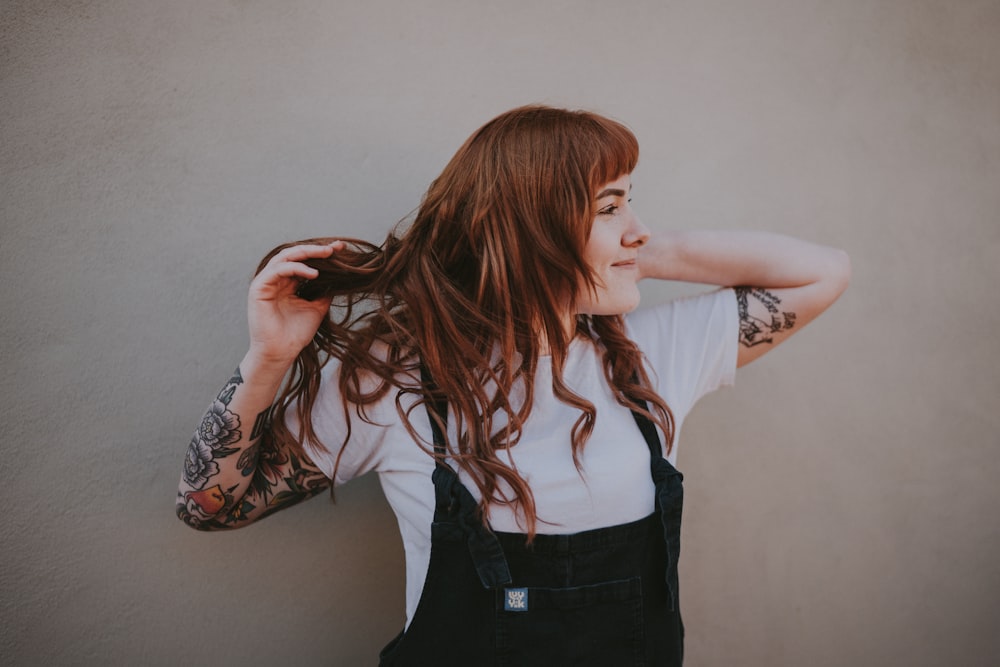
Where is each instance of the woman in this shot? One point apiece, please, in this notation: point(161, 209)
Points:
point(523, 429)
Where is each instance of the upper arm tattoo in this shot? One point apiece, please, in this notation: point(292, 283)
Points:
point(756, 330)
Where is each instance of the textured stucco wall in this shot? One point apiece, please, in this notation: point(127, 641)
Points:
point(841, 500)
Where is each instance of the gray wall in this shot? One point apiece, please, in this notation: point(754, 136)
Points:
point(842, 500)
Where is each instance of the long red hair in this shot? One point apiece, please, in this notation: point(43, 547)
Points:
point(487, 270)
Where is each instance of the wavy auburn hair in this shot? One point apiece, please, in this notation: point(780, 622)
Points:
point(489, 270)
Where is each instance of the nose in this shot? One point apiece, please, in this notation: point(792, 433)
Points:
point(636, 234)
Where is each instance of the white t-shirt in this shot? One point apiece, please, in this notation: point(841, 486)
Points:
point(690, 346)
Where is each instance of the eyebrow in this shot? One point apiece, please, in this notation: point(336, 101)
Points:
point(612, 192)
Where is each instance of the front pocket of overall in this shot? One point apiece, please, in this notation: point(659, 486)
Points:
point(599, 624)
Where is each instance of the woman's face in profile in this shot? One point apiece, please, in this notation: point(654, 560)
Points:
point(611, 251)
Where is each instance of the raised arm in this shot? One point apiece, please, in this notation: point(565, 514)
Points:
point(782, 283)
point(234, 471)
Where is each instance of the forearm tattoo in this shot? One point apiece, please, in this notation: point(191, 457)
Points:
point(266, 465)
point(756, 330)
point(218, 430)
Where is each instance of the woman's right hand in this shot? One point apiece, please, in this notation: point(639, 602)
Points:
point(220, 487)
point(281, 323)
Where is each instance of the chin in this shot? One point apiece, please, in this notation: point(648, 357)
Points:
point(619, 304)
point(621, 307)
point(630, 303)
point(629, 309)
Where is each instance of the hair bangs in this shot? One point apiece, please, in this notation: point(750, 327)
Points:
point(616, 151)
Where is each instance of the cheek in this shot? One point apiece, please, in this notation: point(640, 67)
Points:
point(602, 248)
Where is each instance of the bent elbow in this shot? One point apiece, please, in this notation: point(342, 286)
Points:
point(840, 270)
point(189, 519)
point(193, 520)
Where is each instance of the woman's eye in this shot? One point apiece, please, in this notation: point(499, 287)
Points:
point(611, 209)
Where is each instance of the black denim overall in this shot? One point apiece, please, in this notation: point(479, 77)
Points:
point(604, 597)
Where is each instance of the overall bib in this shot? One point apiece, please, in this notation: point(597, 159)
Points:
point(604, 597)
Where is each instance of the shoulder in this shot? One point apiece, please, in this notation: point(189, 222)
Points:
point(690, 345)
point(353, 434)
point(685, 319)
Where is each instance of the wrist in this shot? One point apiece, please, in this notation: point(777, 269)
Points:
point(266, 366)
point(662, 256)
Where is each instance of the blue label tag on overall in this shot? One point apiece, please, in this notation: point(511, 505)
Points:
point(516, 599)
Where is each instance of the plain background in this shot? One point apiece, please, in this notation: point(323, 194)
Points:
point(842, 500)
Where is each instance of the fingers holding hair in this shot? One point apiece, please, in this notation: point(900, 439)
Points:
point(301, 250)
point(326, 267)
point(287, 269)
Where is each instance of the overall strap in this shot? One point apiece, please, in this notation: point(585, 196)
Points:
point(669, 496)
point(454, 503)
point(648, 429)
point(436, 405)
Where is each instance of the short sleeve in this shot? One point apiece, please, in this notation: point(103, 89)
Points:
point(690, 346)
point(362, 451)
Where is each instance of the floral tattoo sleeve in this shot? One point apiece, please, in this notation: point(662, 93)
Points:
point(277, 478)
